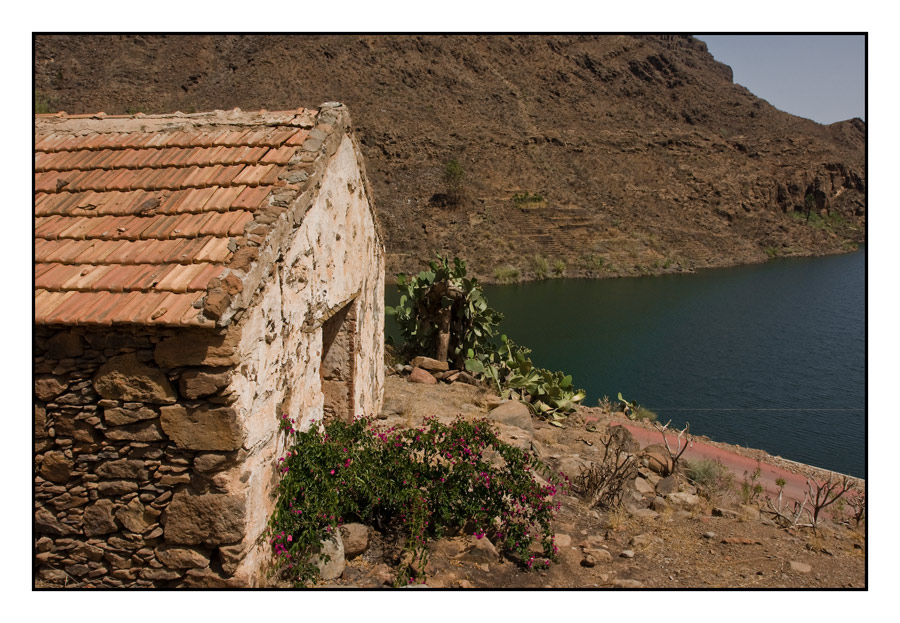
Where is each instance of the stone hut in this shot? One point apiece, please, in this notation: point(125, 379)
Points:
point(197, 277)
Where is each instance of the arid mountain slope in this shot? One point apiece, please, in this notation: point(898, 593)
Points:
point(639, 153)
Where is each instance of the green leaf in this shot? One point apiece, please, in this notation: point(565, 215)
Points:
point(475, 366)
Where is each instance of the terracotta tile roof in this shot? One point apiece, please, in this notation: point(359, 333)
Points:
point(136, 217)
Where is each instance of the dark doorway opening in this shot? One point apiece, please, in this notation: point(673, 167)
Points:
point(340, 341)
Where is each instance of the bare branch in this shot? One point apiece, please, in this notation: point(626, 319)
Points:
point(683, 438)
point(788, 518)
point(824, 494)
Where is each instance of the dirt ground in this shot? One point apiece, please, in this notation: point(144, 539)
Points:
point(674, 546)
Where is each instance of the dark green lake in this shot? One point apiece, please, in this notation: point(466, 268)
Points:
point(769, 356)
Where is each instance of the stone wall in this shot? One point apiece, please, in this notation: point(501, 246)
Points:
point(155, 447)
point(126, 441)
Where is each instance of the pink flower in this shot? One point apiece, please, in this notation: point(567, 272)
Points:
point(332, 472)
point(290, 538)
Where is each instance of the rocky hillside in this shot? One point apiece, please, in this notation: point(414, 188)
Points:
point(666, 533)
point(615, 154)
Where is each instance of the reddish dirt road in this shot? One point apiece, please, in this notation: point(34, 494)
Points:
point(795, 483)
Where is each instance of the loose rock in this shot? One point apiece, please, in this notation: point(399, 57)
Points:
point(418, 375)
point(800, 567)
point(513, 413)
point(355, 537)
point(334, 550)
point(432, 365)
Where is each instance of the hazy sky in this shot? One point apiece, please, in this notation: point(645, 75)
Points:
point(820, 77)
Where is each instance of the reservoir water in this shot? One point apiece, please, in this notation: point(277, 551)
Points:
point(769, 356)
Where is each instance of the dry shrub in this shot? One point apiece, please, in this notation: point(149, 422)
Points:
point(712, 479)
point(603, 483)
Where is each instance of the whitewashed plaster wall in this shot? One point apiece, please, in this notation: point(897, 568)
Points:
point(334, 258)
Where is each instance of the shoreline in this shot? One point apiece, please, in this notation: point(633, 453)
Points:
point(485, 279)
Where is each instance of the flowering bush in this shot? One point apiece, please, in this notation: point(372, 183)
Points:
point(428, 481)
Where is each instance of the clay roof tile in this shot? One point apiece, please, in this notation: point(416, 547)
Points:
point(132, 225)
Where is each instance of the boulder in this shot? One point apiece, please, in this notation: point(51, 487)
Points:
point(642, 486)
point(117, 487)
point(330, 558)
point(418, 375)
point(125, 377)
point(562, 540)
point(667, 485)
point(432, 365)
point(682, 498)
point(355, 537)
point(207, 578)
point(624, 439)
point(231, 556)
point(657, 458)
point(573, 465)
point(482, 551)
point(513, 413)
